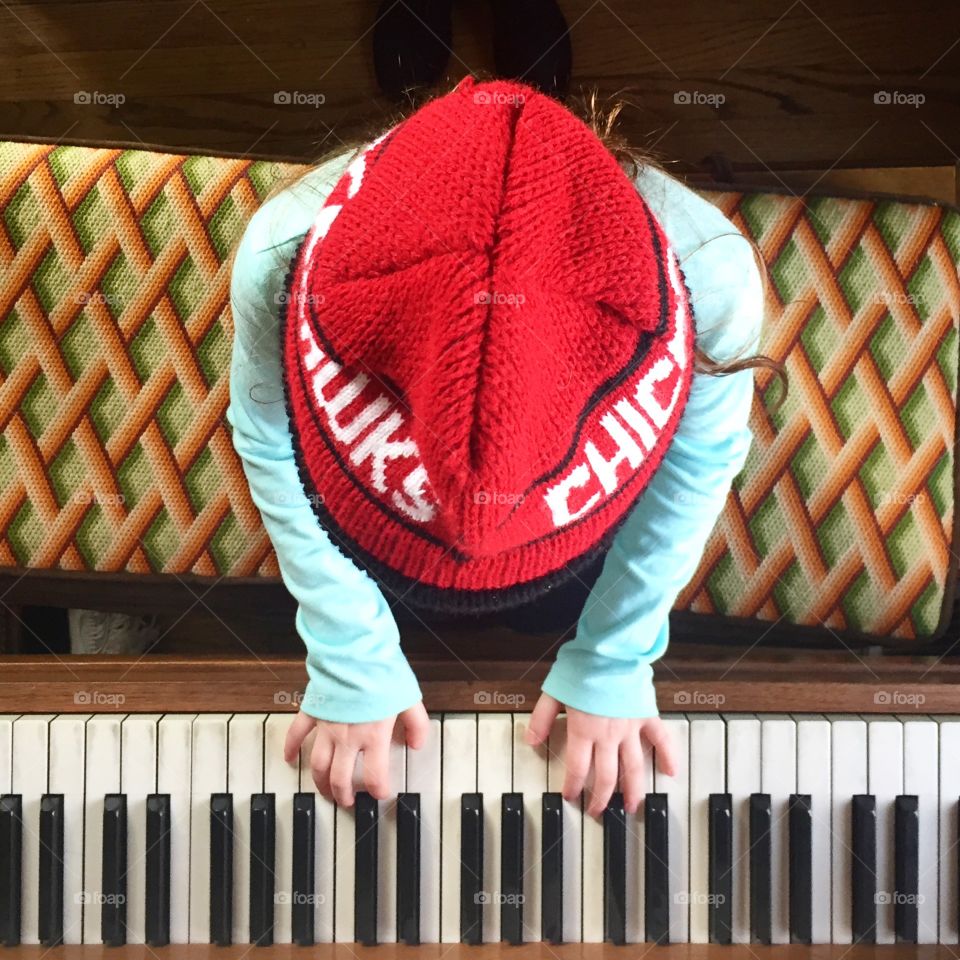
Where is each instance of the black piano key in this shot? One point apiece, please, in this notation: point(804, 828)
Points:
point(471, 868)
point(221, 869)
point(50, 901)
point(906, 859)
point(304, 854)
point(263, 840)
point(365, 877)
point(11, 854)
point(408, 868)
point(551, 869)
point(158, 870)
point(760, 823)
point(720, 868)
point(113, 909)
point(615, 871)
point(801, 868)
point(656, 868)
point(511, 868)
point(864, 868)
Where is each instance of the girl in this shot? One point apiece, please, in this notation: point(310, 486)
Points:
point(478, 367)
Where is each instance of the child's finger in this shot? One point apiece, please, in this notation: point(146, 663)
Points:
point(416, 725)
point(577, 764)
point(605, 769)
point(631, 773)
point(341, 774)
point(296, 733)
point(541, 720)
point(320, 758)
point(376, 767)
point(659, 738)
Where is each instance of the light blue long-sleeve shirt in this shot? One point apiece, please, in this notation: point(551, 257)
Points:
point(356, 669)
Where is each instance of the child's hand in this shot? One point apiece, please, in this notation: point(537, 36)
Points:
point(612, 744)
point(333, 757)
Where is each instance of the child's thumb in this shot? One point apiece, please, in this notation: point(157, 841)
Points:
point(416, 725)
point(541, 720)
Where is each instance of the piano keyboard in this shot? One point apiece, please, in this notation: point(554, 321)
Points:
point(191, 828)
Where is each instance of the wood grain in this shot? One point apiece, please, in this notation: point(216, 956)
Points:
point(798, 79)
point(689, 679)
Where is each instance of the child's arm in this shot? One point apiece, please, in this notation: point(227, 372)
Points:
point(605, 670)
point(356, 669)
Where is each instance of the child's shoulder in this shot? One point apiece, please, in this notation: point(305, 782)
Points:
point(271, 235)
point(718, 262)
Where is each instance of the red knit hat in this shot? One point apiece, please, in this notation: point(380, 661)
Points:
point(487, 346)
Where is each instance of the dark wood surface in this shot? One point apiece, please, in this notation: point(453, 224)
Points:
point(799, 79)
point(690, 678)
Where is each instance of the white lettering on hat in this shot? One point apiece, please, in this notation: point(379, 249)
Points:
point(381, 444)
point(640, 410)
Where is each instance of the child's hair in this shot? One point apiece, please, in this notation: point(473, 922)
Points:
point(602, 120)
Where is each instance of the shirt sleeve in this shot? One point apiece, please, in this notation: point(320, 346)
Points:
point(355, 667)
point(624, 626)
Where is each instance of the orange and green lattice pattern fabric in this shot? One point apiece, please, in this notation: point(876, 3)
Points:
point(115, 340)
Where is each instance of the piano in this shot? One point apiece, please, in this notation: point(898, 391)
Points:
point(146, 806)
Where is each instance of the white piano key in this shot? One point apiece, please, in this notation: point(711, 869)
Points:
point(572, 834)
point(743, 780)
point(885, 782)
point(592, 880)
point(677, 789)
point(814, 777)
point(138, 779)
point(174, 775)
point(67, 752)
point(778, 752)
point(459, 777)
point(345, 865)
point(423, 777)
point(949, 795)
point(387, 847)
point(208, 776)
point(848, 764)
point(102, 777)
point(530, 779)
point(29, 779)
point(324, 874)
point(244, 778)
point(283, 780)
point(6, 750)
point(494, 778)
point(636, 848)
point(920, 777)
point(707, 775)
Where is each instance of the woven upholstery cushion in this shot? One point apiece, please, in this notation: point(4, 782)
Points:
point(115, 454)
